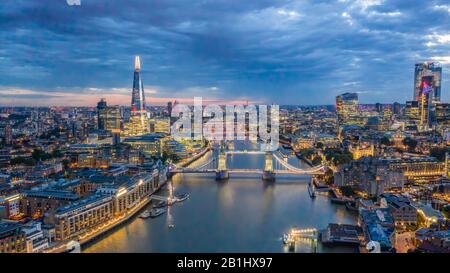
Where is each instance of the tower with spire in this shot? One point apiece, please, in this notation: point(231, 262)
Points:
point(138, 124)
point(137, 96)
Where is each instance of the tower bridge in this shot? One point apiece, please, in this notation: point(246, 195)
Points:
point(218, 165)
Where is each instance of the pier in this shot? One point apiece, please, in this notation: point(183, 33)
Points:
point(296, 235)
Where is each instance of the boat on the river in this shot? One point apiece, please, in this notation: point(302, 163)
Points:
point(160, 204)
point(73, 247)
point(144, 215)
point(157, 212)
point(351, 206)
point(163, 204)
point(311, 190)
point(181, 197)
point(341, 201)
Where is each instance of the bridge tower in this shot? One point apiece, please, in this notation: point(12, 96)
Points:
point(222, 171)
point(268, 172)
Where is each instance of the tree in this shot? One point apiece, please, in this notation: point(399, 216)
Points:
point(347, 190)
point(340, 159)
point(328, 177)
point(40, 155)
point(446, 211)
point(439, 153)
point(66, 163)
point(410, 142)
point(165, 157)
point(385, 141)
point(307, 153)
point(317, 160)
point(23, 160)
point(57, 153)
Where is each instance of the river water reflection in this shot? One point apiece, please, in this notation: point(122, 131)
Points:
point(243, 214)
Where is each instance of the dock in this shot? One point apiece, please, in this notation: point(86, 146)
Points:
point(296, 235)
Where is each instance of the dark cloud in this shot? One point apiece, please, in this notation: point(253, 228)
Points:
point(301, 52)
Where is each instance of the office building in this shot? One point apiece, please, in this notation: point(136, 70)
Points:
point(12, 238)
point(431, 71)
point(346, 107)
point(396, 108)
point(443, 113)
point(101, 114)
point(425, 99)
point(77, 217)
point(412, 110)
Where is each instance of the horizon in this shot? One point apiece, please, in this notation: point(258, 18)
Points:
point(269, 51)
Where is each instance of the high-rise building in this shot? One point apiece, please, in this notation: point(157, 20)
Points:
point(378, 107)
point(433, 72)
point(443, 113)
point(112, 118)
point(412, 109)
point(396, 108)
point(425, 99)
point(161, 125)
point(138, 95)
point(101, 114)
point(346, 106)
point(8, 135)
point(109, 117)
point(169, 108)
point(138, 124)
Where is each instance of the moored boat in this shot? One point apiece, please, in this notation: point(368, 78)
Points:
point(311, 190)
point(181, 197)
point(351, 206)
point(160, 204)
point(157, 212)
point(163, 204)
point(144, 215)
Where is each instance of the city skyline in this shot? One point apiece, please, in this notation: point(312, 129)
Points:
point(224, 127)
point(262, 52)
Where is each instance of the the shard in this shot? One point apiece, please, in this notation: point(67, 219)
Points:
point(138, 124)
point(138, 96)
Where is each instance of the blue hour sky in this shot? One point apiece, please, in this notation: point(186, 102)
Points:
point(285, 52)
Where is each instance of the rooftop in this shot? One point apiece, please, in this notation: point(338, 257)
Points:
point(8, 228)
point(52, 194)
point(83, 202)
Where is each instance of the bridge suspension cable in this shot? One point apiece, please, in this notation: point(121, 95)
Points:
point(295, 169)
point(213, 159)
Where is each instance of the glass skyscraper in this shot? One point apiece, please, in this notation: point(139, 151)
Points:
point(101, 114)
point(346, 106)
point(138, 95)
point(428, 70)
point(427, 91)
point(138, 124)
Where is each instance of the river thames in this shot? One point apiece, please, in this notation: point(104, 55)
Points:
point(243, 214)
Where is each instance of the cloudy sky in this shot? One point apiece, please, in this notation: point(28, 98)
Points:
point(285, 52)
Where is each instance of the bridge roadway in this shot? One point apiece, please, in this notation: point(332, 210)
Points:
point(244, 152)
point(289, 169)
point(255, 171)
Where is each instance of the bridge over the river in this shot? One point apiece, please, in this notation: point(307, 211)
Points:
point(218, 165)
